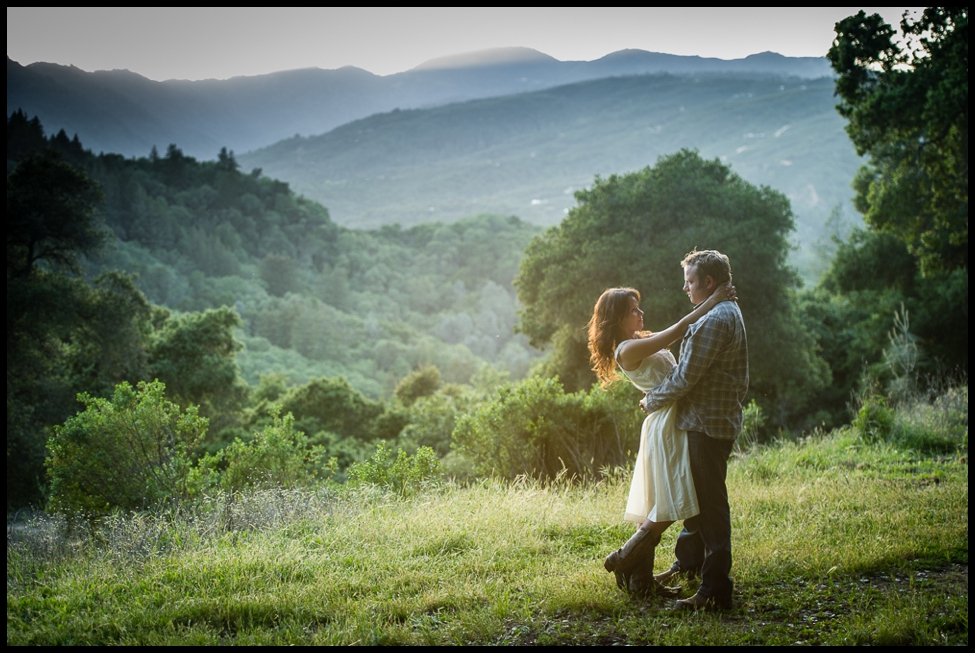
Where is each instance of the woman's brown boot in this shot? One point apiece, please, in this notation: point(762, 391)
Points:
point(622, 561)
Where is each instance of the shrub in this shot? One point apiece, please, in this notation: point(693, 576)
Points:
point(924, 425)
point(128, 452)
point(406, 474)
point(432, 421)
point(277, 456)
point(754, 420)
point(875, 420)
point(533, 427)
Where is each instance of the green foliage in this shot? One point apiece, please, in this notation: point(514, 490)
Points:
point(405, 474)
point(368, 305)
point(432, 422)
point(907, 106)
point(195, 355)
point(633, 230)
point(901, 357)
point(875, 420)
point(915, 422)
point(279, 273)
point(333, 405)
point(63, 335)
point(336, 417)
point(277, 456)
point(534, 428)
point(754, 421)
point(51, 215)
point(421, 383)
point(129, 452)
point(872, 280)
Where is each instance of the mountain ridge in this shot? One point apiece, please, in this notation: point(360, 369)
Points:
point(525, 154)
point(124, 112)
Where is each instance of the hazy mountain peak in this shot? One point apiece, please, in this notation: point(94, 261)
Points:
point(491, 57)
point(768, 54)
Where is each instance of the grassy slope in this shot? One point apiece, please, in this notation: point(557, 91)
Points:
point(836, 543)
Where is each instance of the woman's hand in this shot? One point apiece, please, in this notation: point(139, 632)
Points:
point(723, 293)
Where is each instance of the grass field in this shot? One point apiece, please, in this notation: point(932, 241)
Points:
point(836, 542)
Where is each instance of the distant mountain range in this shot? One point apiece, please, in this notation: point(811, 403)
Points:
point(120, 111)
point(525, 154)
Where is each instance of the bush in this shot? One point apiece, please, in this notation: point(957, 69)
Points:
point(875, 420)
point(924, 425)
point(533, 427)
point(128, 452)
point(938, 426)
point(754, 420)
point(432, 421)
point(406, 474)
point(277, 456)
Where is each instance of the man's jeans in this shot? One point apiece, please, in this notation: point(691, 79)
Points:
point(705, 543)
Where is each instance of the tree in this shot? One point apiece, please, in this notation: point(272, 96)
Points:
point(871, 277)
point(24, 137)
point(633, 230)
point(51, 215)
point(908, 110)
point(196, 356)
point(51, 225)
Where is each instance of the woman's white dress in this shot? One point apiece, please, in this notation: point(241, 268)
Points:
point(662, 488)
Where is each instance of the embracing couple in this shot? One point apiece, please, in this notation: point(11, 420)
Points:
point(694, 414)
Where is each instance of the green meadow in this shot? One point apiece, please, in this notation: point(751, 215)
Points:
point(837, 541)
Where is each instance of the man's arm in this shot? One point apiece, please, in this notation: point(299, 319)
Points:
point(701, 346)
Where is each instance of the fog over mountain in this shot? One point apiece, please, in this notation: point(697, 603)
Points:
point(526, 154)
point(121, 111)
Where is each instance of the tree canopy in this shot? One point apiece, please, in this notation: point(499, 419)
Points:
point(51, 215)
point(633, 230)
point(907, 106)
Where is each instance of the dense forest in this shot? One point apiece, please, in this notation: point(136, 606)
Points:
point(282, 292)
point(257, 334)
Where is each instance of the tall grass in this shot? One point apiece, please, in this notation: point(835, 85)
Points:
point(837, 541)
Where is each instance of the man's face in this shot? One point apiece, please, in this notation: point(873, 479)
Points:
point(697, 289)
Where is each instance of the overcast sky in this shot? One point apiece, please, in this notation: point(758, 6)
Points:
point(221, 43)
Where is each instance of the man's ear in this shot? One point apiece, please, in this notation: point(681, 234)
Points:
point(710, 284)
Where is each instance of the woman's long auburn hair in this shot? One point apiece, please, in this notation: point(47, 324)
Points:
point(611, 307)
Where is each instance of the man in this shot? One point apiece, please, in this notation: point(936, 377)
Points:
point(709, 385)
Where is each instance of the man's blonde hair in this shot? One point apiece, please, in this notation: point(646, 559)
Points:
point(709, 263)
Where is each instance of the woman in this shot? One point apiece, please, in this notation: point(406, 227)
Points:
point(662, 489)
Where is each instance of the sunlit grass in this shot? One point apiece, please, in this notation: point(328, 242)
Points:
point(836, 542)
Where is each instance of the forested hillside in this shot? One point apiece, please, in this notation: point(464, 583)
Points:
point(370, 305)
point(527, 154)
point(303, 297)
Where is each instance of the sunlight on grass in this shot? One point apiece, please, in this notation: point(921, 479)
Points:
point(835, 542)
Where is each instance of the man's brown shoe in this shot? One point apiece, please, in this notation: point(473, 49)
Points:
point(698, 602)
point(655, 589)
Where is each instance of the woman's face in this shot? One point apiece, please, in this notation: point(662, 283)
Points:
point(633, 319)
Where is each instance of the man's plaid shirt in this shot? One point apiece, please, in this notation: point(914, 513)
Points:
point(710, 382)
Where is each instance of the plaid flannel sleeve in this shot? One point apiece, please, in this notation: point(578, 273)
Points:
point(698, 350)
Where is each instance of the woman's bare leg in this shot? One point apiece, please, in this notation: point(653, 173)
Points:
point(656, 528)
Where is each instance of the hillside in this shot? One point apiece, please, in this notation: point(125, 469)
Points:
point(121, 111)
point(525, 154)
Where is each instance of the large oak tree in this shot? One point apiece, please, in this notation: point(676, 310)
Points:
point(633, 230)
